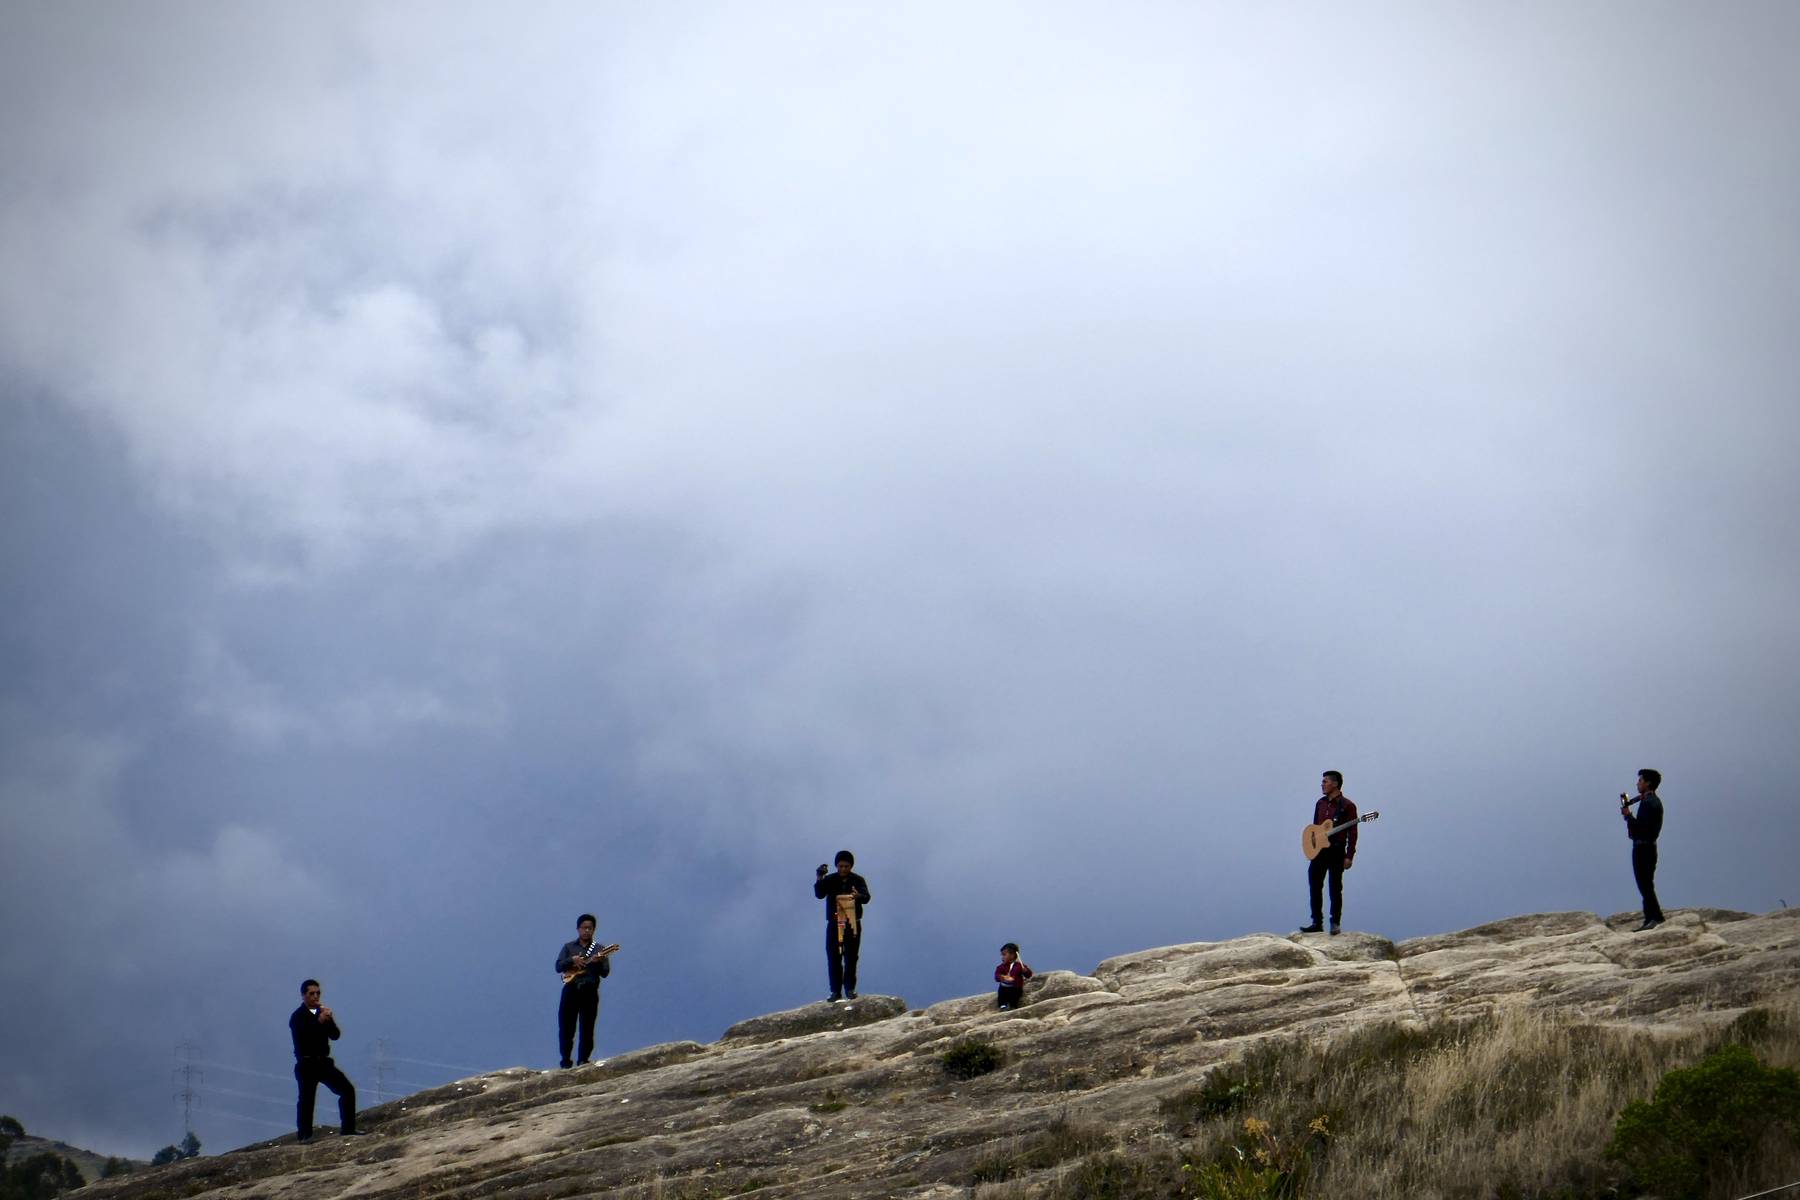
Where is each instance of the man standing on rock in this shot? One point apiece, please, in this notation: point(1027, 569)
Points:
point(844, 893)
point(1337, 856)
point(1643, 829)
point(314, 1029)
point(582, 964)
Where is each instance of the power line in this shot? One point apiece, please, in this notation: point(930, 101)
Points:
point(248, 1096)
point(231, 1116)
point(288, 1078)
point(420, 1062)
point(420, 1087)
point(1784, 1187)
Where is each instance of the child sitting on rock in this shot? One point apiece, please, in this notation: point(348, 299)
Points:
point(1011, 975)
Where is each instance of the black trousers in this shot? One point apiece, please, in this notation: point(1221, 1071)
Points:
point(310, 1073)
point(580, 1005)
point(1643, 869)
point(840, 961)
point(1329, 863)
point(1010, 995)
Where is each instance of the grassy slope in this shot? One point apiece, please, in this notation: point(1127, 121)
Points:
point(1518, 1105)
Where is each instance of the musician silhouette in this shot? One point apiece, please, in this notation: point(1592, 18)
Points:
point(1331, 862)
point(1643, 828)
point(844, 892)
point(582, 964)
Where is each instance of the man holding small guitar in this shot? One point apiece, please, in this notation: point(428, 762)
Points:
point(1335, 812)
point(582, 965)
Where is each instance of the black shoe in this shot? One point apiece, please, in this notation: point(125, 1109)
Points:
point(1315, 927)
point(1336, 929)
point(851, 995)
point(304, 1141)
point(566, 1064)
point(833, 998)
point(354, 1133)
point(1648, 924)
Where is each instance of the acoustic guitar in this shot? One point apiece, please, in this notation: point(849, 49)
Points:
point(593, 952)
point(1315, 838)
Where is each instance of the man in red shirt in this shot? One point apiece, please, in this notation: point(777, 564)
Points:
point(1335, 859)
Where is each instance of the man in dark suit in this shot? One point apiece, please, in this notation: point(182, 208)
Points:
point(1643, 829)
point(844, 892)
point(581, 995)
point(314, 1029)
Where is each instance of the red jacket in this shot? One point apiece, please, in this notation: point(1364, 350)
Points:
point(1012, 974)
point(1337, 813)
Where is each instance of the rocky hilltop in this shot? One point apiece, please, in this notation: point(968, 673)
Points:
point(854, 1100)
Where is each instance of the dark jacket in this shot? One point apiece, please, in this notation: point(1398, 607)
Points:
point(312, 1037)
point(1343, 810)
point(1646, 824)
point(598, 967)
point(834, 885)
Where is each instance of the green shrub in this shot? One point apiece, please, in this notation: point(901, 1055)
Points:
point(830, 1104)
point(1119, 1176)
point(1262, 1163)
point(1060, 1141)
point(1235, 1179)
point(1225, 1091)
point(1705, 1120)
point(971, 1057)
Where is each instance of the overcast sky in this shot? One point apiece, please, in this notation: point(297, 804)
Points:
point(461, 470)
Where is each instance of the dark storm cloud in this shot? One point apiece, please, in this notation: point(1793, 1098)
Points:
point(464, 474)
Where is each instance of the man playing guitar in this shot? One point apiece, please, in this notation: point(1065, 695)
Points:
point(582, 965)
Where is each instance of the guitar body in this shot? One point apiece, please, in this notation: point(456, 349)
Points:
point(572, 975)
point(1315, 838)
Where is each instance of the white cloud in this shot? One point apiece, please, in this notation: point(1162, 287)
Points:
point(365, 298)
point(359, 711)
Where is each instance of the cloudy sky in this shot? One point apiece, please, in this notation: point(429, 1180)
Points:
point(461, 470)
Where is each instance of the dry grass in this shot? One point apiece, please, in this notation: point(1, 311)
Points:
point(1519, 1104)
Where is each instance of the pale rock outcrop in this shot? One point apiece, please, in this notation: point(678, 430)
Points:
point(816, 1018)
point(852, 1101)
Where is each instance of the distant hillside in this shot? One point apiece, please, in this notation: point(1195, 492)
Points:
point(89, 1163)
point(1487, 1062)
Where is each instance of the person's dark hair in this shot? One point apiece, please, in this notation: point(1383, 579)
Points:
point(845, 856)
point(1013, 946)
point(1336, 777)
point(1652, 777)
point(307, 983)
point(589, 918)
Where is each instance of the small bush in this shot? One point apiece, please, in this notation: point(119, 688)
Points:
point(1234, 1179)
point(1118, 1176)
point(1059, 1142)
point(971, 1057)
point(1225, 1091)
point(1752, 1025)
point(830, 1104)
point(1705, 1120)
point(1260, 1163)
